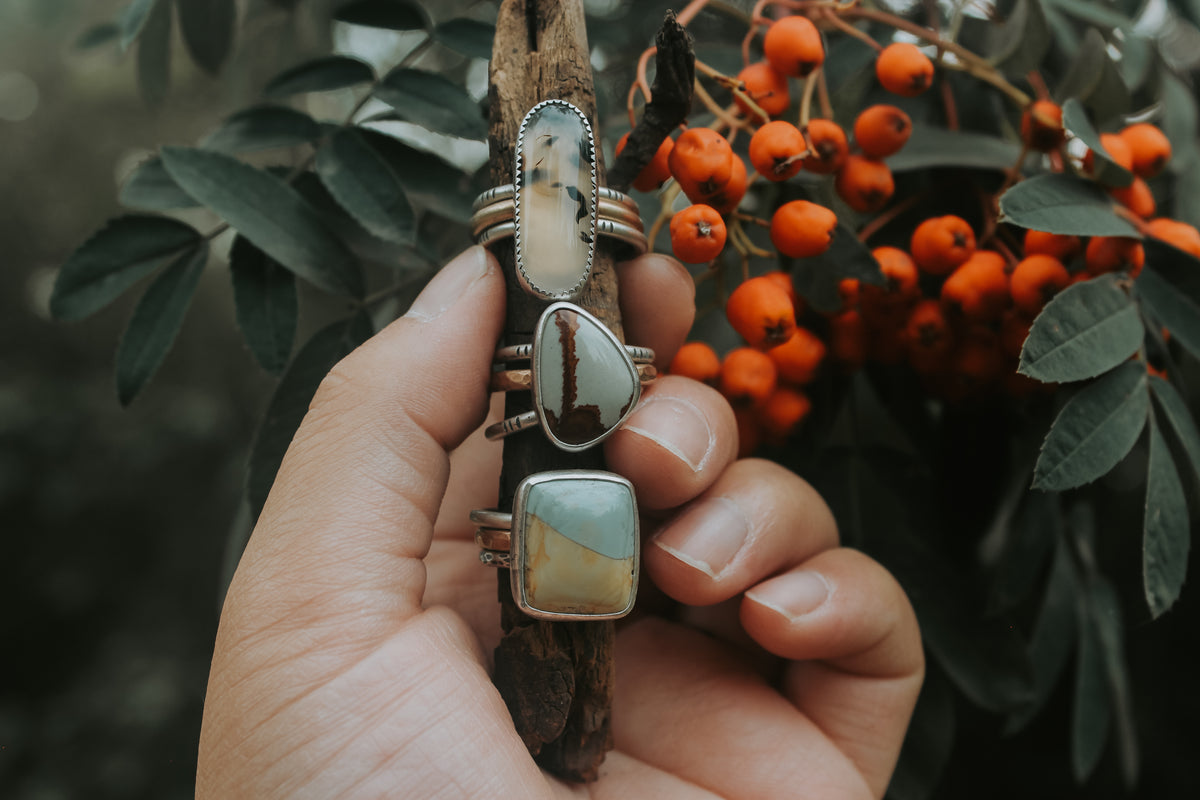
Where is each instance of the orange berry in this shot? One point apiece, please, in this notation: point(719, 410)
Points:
point(1042, 126)
point(1061, 246)
point(799, 358)
point(881, 130)
point(829, 147)
point(978, 289)
point(777, 150)
point(903, 69)
point(726, 199)
point(1175, 233)
point(848, 291)
point(697, 234)
point(801, 229)
point(1137, 197)
point(977, 364)
point(865, 183)
point(654, 174)
point(781, 413)
point(1149, 148)
point(929, 337)
point(747, 375)
point(1118, 152)
point(701, 160)
point(766, 87)
point(696, 360)
point(749, 430)
point(1035, 280)
point(784, 281)
point(941, 244)
point(848, 339)
point(1112, 253)
point(761, 312)
point(793, 46)
point(889, 303)
point(1014, 330)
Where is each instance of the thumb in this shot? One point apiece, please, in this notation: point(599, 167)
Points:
point(351, 513)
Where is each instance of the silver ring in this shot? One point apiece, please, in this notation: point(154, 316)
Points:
point(524, 352)
point(635, 238)
point(497, 213)
point(504, 192)
point(573, 545)
point(584, 381)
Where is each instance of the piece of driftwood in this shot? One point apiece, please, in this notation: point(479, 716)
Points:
point(557, 678)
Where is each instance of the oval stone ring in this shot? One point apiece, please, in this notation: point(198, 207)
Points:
point(572, 544)
point(585, 383)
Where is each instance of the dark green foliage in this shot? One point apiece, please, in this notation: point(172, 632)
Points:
point(817, 278)
point(1063, 204)
point(432, 101)
point(397, 15)
point(937, 147)
point(154, 53)
point(363, 183)
point(1104, 169)
point(320, 75)
point(263, 128)
point(1169, 288)
point(467, 36)
point(264, 294)
point(1021, 42)
point(207, 27)
point(1095, 80)
point(1165, 554)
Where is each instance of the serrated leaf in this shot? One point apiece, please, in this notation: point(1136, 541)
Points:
point(396, 15)
point(132, 19)
point(263, 128)
point(1091, 715)
point(93, 37)
point(1063, 204)
point(154, 54)
point(1095, 80)
point(264, 295)
point(1169, 288)
point(437, 185)
point(1095, 430)
point(467, 36)
point(268, 212)
point(938, 147)
point(1019, 44)
point(1086, 330)
point(364, 185)
point(207, 27)
point(817, 278)
point(149, 187)
point(432, 101)
point(1165, 546)
point(1106, 171)
point(156, 321)
point(292, 396)
point(1053, 636)
point(320, 75)
point(113, 259)
point(1179, 420)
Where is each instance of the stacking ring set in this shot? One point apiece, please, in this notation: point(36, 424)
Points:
point(571, 542)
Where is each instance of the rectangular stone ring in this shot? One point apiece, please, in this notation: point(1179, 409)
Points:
point(574, 545)
point(585, 383)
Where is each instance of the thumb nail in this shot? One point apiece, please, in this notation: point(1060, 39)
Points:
point(449, 285)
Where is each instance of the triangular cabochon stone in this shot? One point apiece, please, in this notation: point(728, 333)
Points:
point(586, 382)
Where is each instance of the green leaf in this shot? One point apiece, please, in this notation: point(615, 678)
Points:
point(1095, 80)
point(264, 295)
point(1091, 11)
point(156, 321)
point(1063, 204)
point(132, 20)
point(817, 278)
point(263, 128)
point(1053, 634)
point(1029, 540)
point(396, 15)
point(1094, 430)
point(1105, 609)
point(928, 741)
point(1019, 44)
point(207, 27)
point(938, 147)
point(364, 185)
point(113, 259)
point(154, 54)
point(437, 185)
point(432, 101)
point(149, 187)
point(291, 399)
point(467, 36)
point(1106, 171)
point(1137, 55)
point(269, 213)
point(1165, 546)
point(97, 35)
point(1169, 288)
point(1180, 422)
point(1092, 711)
point(1084, 331)
point(1178, 122)
point(320, 75)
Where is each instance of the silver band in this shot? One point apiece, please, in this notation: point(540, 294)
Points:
point(499, 430)
point(505, 211)
point(622, 232)
point(521, 380)
point(524, 352)
point(490, 518)
point(505, 192)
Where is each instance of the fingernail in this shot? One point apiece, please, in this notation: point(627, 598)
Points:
point(794, 594)
point(707, 536)
point(449, 285)
point(677, 426)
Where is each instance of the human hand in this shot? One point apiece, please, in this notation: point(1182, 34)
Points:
point(353, 651)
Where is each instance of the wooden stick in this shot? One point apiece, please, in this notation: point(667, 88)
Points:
point(556, 678)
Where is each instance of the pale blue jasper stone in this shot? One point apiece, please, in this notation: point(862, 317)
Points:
point(578, 547)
